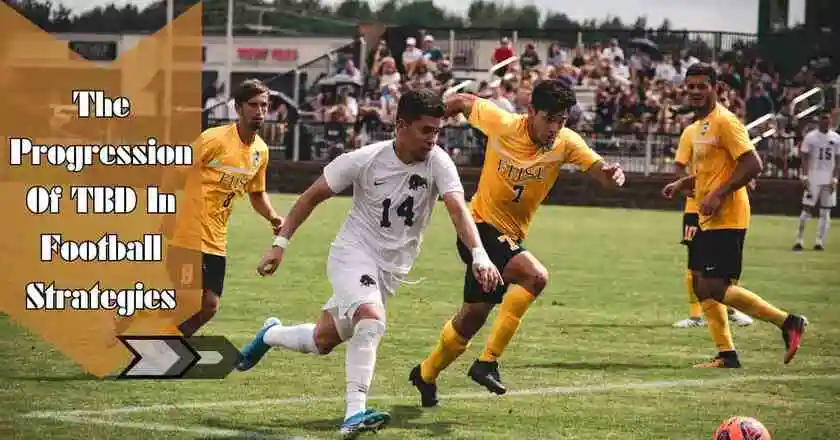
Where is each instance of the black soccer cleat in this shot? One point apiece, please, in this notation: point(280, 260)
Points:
point(819, 247)
point(428, 391)
point(724, 359)
point(792, 331)
point(486, 374)
point(797, 247)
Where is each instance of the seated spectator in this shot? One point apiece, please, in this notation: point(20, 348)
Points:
point(411, 55)
point(529, 59)
point(444, 74)
point(503, 52)
point(612, 51)
point(421, 76)
point(430, 50)
point(498, 97)
point(556, 55)
point(388, 74)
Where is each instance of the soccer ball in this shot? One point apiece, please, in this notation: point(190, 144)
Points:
point(741, 428)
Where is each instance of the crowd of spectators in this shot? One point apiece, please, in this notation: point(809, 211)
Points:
point(623, 92)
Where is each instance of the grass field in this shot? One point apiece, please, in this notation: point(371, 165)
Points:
point(596, 357)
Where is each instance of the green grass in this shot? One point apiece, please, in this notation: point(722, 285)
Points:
point(615, 287)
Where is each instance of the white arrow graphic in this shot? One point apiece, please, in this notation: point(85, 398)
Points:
point(158, 357)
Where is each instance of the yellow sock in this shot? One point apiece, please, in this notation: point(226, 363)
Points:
point(752, 304)
point(718, 323)
point(513, 308)
point(694, 309)
point(449, 347)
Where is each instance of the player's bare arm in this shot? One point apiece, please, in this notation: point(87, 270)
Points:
point(806, 159)
point(682, 171)
point(262, 206)
point(685, 183)
point(485, 272)
point(836, 175)
point(608, 175)
point(748, 166)
point(459, 103)
point(301, 210)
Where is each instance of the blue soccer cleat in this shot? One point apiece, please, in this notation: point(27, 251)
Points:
point(369, 420)
point(257, 348)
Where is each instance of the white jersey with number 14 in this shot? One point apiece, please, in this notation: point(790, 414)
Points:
point(822, 149)
point(392, 201)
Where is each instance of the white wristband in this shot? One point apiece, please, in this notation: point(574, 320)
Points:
point(280, 242)
point(480, 257)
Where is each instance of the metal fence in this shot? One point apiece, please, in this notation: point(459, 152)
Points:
point(638, 153)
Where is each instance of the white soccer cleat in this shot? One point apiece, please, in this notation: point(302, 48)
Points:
point(739, 318)
point(690, 323)
point(271, 322)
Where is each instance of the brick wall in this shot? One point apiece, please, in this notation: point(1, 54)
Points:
point(771, 196)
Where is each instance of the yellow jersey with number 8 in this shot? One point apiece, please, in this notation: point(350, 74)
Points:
point(227, 169)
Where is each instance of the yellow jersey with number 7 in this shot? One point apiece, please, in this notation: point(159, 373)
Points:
point(508, 194)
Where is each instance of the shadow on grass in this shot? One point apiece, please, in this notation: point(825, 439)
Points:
point(607, 365)
point(402, 417)
point(80, 377)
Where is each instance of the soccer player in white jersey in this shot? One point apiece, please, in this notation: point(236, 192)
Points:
point(819, 162)
point(395, 185)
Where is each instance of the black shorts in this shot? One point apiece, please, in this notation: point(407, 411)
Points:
point(719, 253)
point(182, 265)
point(501, 249)
point(690, 226)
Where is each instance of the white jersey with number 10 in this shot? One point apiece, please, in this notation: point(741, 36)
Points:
point(392, 201)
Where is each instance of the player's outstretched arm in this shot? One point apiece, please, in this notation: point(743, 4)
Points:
point(482, 114)
point(459, 103)
point(578, 153)
point(608, 175)
point(301, 210)
point(485, 272)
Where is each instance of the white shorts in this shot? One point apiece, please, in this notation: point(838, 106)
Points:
point(819, 195)
point(356, 279)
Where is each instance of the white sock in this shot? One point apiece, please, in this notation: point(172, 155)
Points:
point(360, 361)
point(803, 220)
point(825, 221)
point(300, 338)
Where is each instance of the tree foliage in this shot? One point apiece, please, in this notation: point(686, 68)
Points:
point(311, 16)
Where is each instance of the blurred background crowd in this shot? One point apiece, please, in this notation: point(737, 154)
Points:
point(630, 96)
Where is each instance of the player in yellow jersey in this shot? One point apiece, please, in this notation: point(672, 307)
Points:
point(507, 198)
point(691, 224)
point(229, 161)
point(723, 162)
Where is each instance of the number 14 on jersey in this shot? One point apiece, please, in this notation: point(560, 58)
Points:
point(405, 210)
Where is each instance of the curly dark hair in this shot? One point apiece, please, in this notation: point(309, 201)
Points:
point(553, 96)
point(415, 104)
